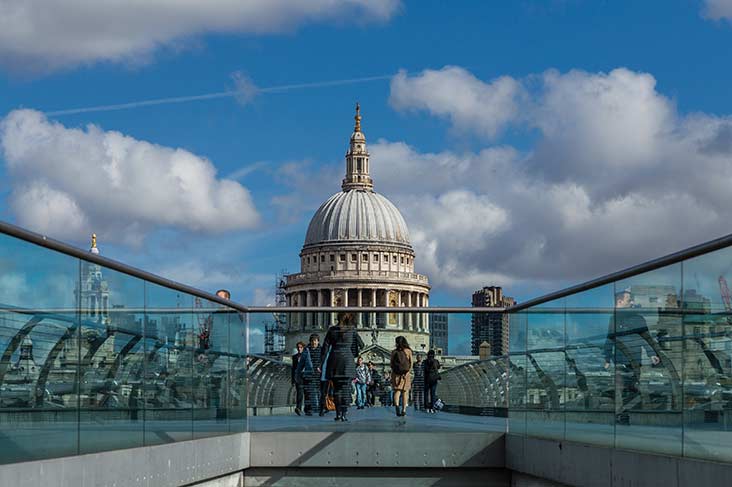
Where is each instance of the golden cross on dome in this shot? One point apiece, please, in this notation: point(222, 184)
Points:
point(94, 241)
point(358, 118)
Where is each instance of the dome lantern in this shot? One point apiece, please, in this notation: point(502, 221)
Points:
point(357, 160)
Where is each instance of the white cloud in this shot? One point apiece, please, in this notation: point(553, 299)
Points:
point(717, 9)
point(46, 35)
point(616, 176)
point(70, 182)
point(454, 93)
point(263, 296)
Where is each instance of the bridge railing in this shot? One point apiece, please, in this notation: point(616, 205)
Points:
point(98, 356)
point(638, 360)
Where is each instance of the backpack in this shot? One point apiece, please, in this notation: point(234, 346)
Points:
point(400, 363)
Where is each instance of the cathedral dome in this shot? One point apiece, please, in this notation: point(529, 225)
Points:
point(357, 216)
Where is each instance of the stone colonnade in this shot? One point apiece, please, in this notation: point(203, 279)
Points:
point(362, 297)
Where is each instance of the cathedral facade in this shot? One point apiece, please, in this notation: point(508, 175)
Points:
point(357, 253)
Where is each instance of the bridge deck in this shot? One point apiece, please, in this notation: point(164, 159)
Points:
point(379, 419)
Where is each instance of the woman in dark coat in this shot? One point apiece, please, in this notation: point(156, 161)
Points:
point(345, 345)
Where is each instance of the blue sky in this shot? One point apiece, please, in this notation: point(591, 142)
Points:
point(529, 144)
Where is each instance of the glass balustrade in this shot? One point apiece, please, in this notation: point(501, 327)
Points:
point(98, 358)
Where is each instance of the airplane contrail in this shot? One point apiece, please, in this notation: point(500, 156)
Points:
point(220, 94)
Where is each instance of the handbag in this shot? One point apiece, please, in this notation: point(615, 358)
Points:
point(329, 402)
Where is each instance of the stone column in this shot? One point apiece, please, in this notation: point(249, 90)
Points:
point(421, 315)
point(309, 303)
point(410, 322)
point(345, 297)
point(372, 317)
point(359, 303)
point(319, 316)
point(426, 326)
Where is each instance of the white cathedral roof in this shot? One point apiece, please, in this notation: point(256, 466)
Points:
point(357, 216)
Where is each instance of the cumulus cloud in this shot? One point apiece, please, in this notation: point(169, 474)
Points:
point(55, 34)
point(616, 176)
point(483, 107)
point(69, 182)
point(717, 9)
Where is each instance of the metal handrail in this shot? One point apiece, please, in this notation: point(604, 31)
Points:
point(669, 259)
point(58, 246)
point(64, 248)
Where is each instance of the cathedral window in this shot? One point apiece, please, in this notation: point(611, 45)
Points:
point(353, 257)
point(322, 258)
point(402, 260)
point(394, 259)
point(342, 257)
point(365, 257)
point(332, 257)
point(376, 257)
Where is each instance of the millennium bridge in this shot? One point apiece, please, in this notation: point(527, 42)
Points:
point(112, 376)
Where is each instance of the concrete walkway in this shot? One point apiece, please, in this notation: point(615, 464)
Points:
point(379, 419)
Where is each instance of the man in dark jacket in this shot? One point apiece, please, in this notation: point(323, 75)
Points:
point(311, 375)
point(431, 376)
point(344, 345)
point(373, 387)
point(297, 379)
point(627, 337)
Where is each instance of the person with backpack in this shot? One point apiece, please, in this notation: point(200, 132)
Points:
point(401, 377)
point(431, 376)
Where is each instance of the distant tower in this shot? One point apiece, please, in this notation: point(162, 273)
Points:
point(93, 294)
point(490, 327)
point(26, 368)
point(439, 334)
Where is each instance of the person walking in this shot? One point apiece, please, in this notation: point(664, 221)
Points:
point(418, 384)
point(431, 376)
point(401, 377)
point(363, 378)
point(373, 386)
point(388, 394)
point(344, 345)
point(309, 368)
point(296, 378)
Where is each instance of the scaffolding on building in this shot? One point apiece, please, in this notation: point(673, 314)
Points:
point(274, 329)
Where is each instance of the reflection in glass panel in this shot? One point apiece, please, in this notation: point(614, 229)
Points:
point(707, 350)
point(545, 371)
point(590, 405)
point(169, 345)
point(110, 355)
point(211, 369)
point(517, 373)
point(648, 361)
point(237, 386)
point(38, 376)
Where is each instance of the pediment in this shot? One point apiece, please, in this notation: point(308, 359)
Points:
point(376, 354)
